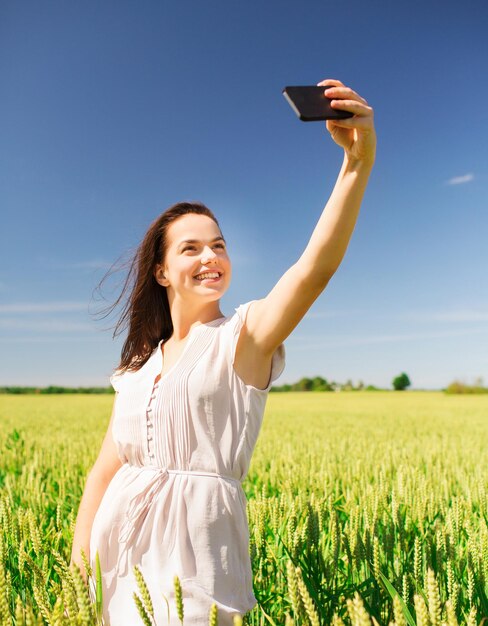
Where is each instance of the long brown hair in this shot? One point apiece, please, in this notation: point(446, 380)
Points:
point(146, 311)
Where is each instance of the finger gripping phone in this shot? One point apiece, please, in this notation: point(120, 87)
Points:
point(312, 105)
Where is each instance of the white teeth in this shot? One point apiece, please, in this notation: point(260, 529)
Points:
point(207, 275)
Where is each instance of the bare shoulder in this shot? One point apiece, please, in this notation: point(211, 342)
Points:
point(252, 363)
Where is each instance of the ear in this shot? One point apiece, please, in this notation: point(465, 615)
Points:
point(160, 277)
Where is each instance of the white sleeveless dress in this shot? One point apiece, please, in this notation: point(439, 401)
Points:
point(176, 506)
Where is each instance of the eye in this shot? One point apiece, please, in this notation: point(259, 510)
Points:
point(217, 245)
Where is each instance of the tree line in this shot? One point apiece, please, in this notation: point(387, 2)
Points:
point(317, 383)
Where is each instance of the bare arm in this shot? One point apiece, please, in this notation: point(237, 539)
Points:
point(99, 477)
point(95, 488)
point(271, 319)
point(328, 243)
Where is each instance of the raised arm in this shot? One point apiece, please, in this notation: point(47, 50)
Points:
point(271, 319)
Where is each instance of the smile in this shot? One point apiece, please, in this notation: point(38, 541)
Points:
point(208, 277)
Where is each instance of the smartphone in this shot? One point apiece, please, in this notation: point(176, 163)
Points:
point(311, 104)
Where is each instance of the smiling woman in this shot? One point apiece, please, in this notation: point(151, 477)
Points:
point(192, 386)
point(152, 313)
point(186, 418)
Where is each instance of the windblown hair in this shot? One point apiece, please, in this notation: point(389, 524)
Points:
point(146, 311)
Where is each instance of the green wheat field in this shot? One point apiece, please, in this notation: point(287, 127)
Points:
point(363, 508)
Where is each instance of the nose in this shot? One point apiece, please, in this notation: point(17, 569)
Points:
point(208, 254)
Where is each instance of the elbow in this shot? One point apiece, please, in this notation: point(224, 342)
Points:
point(104, 474)
point(315, 278)
point(318, 267)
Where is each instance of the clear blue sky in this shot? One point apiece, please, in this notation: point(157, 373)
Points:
point(112, 111)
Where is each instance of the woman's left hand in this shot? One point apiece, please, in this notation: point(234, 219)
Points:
point(355, 134)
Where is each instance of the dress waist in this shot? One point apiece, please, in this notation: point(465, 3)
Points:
point(163, 470)
point(139, 505)
point(202, 473)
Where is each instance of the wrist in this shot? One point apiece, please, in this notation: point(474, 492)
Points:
point(353, 164)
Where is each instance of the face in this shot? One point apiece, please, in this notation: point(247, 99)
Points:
point(185, 260)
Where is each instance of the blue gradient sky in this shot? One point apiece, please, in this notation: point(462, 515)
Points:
point(110, 112)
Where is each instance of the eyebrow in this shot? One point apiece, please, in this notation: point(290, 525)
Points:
point(198, 241)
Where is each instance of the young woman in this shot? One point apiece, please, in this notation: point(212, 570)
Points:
point(165, 492)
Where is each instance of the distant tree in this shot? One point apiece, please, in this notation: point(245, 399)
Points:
point(400, 383)
point(321, 384)
point(458, 386)
point(360, 385)
point(304, 384)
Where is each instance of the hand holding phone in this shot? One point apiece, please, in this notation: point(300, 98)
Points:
point(312, 105)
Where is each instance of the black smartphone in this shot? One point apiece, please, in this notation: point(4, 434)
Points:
point(311, 104)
